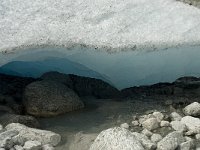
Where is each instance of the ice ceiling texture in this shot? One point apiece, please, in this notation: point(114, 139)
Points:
point(152, 41)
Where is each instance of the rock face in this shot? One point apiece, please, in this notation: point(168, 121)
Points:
point(116, 139)
point(50, 98)
point(84, 86)
point(192, 109)
point(31, 134)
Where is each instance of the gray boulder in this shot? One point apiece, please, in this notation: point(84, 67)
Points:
point(50, 98)
point(192, 123)
point(151, 124)
point(116, 139)
point(192, 109)
point(31, 134)
point(171, 141)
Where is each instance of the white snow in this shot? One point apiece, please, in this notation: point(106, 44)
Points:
point(114, 24)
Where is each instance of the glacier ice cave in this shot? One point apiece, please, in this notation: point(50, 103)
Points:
point(99, 74)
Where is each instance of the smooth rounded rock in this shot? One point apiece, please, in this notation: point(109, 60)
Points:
point(50, 98)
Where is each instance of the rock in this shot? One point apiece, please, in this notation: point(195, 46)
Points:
point(1, 127)
point(82, 141)
point(48, 147)
point(49, 98)
point(193, 124)
point(19, 140)
point(8, 134)
point(43, 136)
point(18, 147)
point(156, 138)
point(178, 126)
point(6, 143)
point(26, 120)
point(159, 116)
point(146, 143)
point(192, 109)
point(84, 86)
point(147, 132)
point(151, 124)
point(197, 136)
point(143, 118)
point(171, 141)
point(32, 145)
point(135, 123)
point(164, 124)
point(188, 145)
point(124, 125)
point(174, 116)
point(117, 139)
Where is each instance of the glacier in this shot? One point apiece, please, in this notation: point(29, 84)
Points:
point(111, 25)
point(131, 43)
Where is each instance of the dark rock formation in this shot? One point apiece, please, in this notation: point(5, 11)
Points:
point(50, 98)
point(84, 86)
point(188, 87)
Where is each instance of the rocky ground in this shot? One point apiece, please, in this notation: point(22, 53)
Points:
point(160, 113)
point(155, 131)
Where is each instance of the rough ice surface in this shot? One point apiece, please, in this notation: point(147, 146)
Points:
point(111, 24)
point(74, 29)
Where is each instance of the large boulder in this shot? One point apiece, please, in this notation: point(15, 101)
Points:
point(116, 139)
point(31, 134)
point(50, 98)
point(26, 120)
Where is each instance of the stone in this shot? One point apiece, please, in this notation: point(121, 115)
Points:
point(32, 145)
point(82, 141)
point(43, 136)
point(6, 143)
point(197, 136)
point(151, 124)
point(117, 139)
point(192, 109)
point(146, 143)
point(174, 116)
point(164, 124)
point(147, 132)
point(8, 134)
point(156, 138)
point(50, 98)
point(18, 147)
point(13, 118)
point(135, 123)
point(171, 141)
point(178, 126)
point(188, 145)
point(1, 127)
point(159, 116)
point(193, 124)
point(19, 140)
point(124, 125)
point(142, 118)
point(48, 147)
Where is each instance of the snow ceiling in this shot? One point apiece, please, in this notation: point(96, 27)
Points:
point(110, 24)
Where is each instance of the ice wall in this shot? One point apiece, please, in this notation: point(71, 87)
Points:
point(125, 69)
